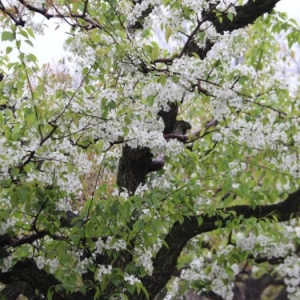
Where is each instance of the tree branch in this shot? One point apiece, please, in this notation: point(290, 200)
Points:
point(245, 15)
point(166, 259)
point(27, 272)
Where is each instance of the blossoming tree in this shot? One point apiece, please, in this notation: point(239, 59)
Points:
point(172, 164)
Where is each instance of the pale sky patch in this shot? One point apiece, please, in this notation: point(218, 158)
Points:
point(291, 7)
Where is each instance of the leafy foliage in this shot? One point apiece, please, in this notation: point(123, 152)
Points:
point(170, 160)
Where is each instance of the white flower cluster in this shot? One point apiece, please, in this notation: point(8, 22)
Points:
point(174, 148)
point(210, 33)
point(84, 55)
point(124, 194)
point(196, 6)
point(263, 246)
point(11, 154)
point(168, 17)
point(131, 279)
point(226, 3)
point(37, 28)
point(200, 201)
point(144, 259)
point(161, 181)
point(293, 228)
point(91, 104)
point(168, 93)
point(41, 262)
point(6, 264)
point(153, 140)
point(245, 243)
point(221, 288)
point(109, 131)
point(290, 270)
point(189, 68)
point(82, 265)
point(220, 109)
point(38, 3)
point(139, 8)
point(196, 270)
point(141, 190)
point(173, 289)
point(254, 134)
point(286, 162)
point(236, 166)
point(217, 277)
point(277, 250)
point(53, 264)
point(63, 204)
point(103, 270)
point(110, 243)
point(8, 223)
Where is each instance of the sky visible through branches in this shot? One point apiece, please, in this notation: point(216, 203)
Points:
point(49, 47)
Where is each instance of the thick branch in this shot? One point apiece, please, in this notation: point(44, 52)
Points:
point(134, 165)
point(14, 14)
point(13, 290)
point(28, 274)
point(245, 15)
point(166, 259)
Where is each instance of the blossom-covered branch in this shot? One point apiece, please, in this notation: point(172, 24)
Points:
point(166, 259)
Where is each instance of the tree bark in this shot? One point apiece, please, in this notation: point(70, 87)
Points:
point(25, 277)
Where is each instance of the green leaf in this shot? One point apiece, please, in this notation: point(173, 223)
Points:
point(230, 16)
point(139, 225)
point(23, 32)
point(8, 50)
point(8, 36)
point(155, 50)
point(114, 208)
point(150, 99)
point(85, 71)
point(30, 31)
point(112, 104)
point(200, 221)
point(145, 292)
point(31, 57)
point(162, 79)
point(130, 288)
point(168, 33)
point(50, 294)
point(29, 43)
point(14, 172)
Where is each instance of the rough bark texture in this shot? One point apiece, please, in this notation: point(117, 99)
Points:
point(246, 15)
point(133, 167)
point(12, 291)
point(26, 274)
